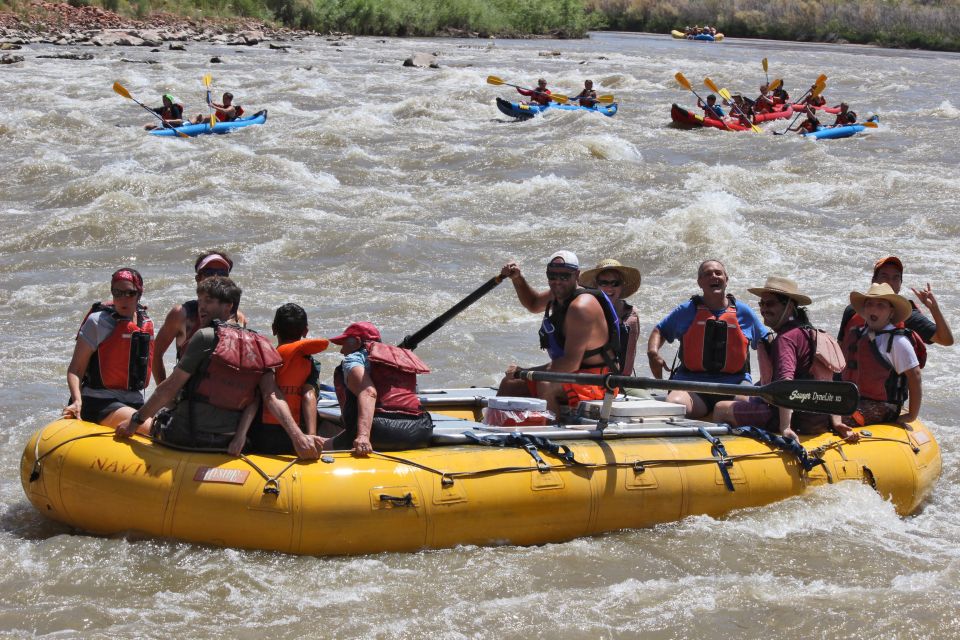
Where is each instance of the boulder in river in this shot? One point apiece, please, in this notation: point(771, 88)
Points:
point(422, 60)
point(9, 46)
point(215, 60)
point(9, 59)
point(177, 47)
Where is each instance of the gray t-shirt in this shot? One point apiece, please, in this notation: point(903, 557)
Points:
point(95, 330)
point(206, 417)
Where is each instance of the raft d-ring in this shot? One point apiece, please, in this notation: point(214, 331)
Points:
point(35, 472)
point(272, 487)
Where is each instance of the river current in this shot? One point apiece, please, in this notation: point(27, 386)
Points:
point(383, 193)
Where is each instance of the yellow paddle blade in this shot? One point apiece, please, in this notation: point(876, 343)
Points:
point(764, 65)
point(559, 97)
point(756, 129)
point(725, 94)
point(119, 88)
point(869, 125)
point(711, 85)
point(775, 84)
point(821, 79)
point(679, 77)
point(213, 120)
point(494, 80)
point(606, 99)
point(817, 90)
point(207, 79)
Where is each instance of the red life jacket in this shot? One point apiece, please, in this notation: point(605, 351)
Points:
point(394, 374)
point(856, 322)
point(233, 371)
point(124, 360)
point(715, 344)
point(293, 373)
point(870, 371)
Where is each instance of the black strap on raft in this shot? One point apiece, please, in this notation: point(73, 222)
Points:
point(718, 451)
point(532, 444)
point(789, 445)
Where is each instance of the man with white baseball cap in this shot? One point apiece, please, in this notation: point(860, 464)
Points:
point(181, 321)
point(575, 332)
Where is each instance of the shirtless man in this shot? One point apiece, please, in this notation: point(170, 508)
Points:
point(181, 321)
point(575, 333)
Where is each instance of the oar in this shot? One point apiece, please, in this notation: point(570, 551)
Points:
point(207, 79)
point(412, 341)
point(765, 71)
point(122, 90)
point(682, 79)
point(726, 96)
point(773, 86)
point(813, 92)
point(556, 97)
point(816, 396)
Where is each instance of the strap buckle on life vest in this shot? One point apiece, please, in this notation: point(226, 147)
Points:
point(718, 451)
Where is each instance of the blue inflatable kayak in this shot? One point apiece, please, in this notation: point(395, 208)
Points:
point(833, 133)
point(221, 127)
point(523, 111)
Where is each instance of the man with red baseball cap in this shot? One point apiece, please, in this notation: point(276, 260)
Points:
point(889, 270)
point(376, 386)
point(181, 321)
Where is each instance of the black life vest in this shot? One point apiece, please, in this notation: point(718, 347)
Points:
point(553, 336)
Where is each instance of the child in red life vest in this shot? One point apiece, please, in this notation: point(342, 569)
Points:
point(881, 359)
point(298, 379)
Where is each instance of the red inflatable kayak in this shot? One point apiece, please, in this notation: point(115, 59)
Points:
point(687, 119)
point(773, 115)
point(803, 107)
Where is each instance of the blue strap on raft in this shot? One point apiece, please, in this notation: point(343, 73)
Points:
point(532, 445)
point(789, 445)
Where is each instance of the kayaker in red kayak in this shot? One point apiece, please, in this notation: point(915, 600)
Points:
point(711, 110)
point(540, 95)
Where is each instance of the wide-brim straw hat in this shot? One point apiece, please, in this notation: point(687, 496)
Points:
point(782, 287)
point(631, 276)
point(882, 291)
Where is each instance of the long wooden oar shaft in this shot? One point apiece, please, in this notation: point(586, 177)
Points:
point(816, 396)
point(412, 341)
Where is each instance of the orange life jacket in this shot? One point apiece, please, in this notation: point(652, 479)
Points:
point(124, 360)
point(293, 373)
point(715, 344)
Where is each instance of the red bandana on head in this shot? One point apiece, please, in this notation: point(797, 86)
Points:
point(128, 276)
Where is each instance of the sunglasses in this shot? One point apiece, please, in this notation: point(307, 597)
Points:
point(763, 304)
point(123, 293)
point(209, 273)
point(562, 276)
point(609, 283)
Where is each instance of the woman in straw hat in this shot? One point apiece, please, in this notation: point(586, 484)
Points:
point(619, 282)
point(882, 359)
point(789, 356)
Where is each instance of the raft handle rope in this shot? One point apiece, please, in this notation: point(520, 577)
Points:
point(398, 501)
point(718, 451)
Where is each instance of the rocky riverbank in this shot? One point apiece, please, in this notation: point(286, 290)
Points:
point(63, 24)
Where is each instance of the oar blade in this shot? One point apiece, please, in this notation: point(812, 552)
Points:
point(207, 79)
point(494, 80)
point(815, 396)
point(711, 85)
point(559, 97)
point(764, 61)
point(606, 99)
point(775, 84)
point(682, 80)
point(725, 94)
point(870, 125)
point(122, 90)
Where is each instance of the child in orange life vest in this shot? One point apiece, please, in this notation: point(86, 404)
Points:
point(881, 359)
point(298, 379)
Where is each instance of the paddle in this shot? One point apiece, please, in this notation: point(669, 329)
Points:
point(119, 88)
point(556, 97)
point(816, 396)
point(682, 79)
point(207, 79)
point(726, 96)
point(814, 91)
point(764, 61)
point(412, 341)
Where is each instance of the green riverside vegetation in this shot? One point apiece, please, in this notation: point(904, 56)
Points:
point(923, 24)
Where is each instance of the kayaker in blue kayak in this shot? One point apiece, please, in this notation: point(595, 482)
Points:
point(171, 112)
point(540, 95)
point(845, 116)
point(587, 97)
point(809, 125)
point(224, 111)
point(711, 110)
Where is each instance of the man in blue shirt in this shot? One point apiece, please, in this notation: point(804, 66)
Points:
point(716, 333)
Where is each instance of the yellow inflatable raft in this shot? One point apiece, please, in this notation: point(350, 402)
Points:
point(648, 466)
